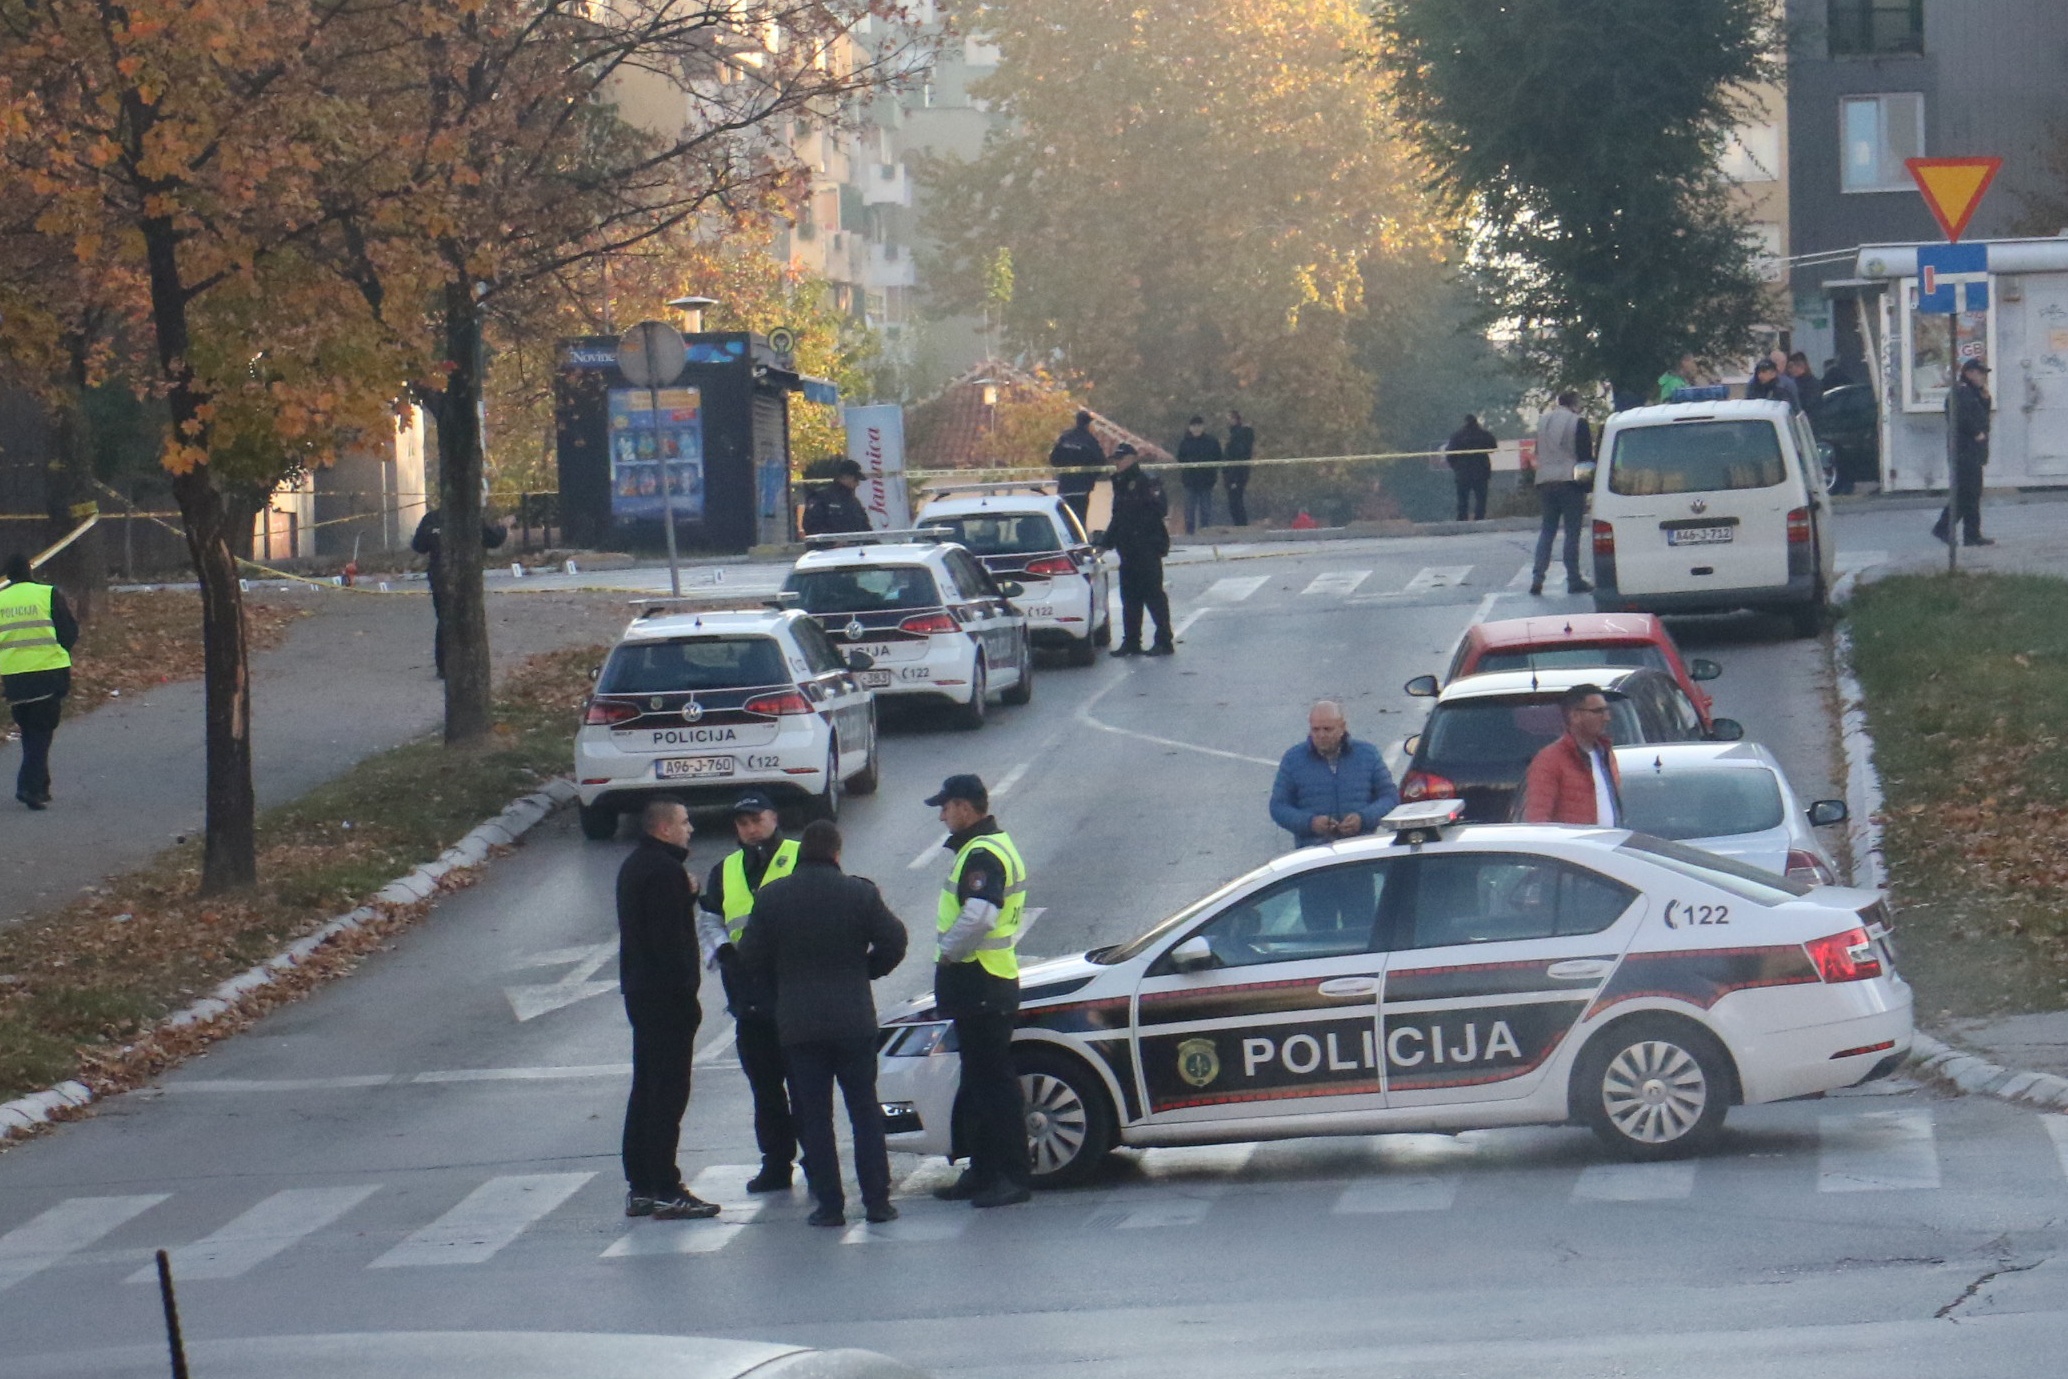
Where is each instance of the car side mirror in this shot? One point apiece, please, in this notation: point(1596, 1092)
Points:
point(1412, 745)
point(1422, 687)
point(1195, 954)
point(1011, 589)
point(1699, 669)
point(1825, 813)
point(1725, 730)
point(594, 672)
point(859, 660)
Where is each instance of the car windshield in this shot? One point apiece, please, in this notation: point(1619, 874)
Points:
point(865, 589)
point(693, 663)
point(1142, 943)
point(1573, 656)
point(1476, 735)
point(1696, 457)
point(1710, 802)
point(1029, 533)
point(1740, 880)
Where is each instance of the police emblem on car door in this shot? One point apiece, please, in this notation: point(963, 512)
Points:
point(1269, 1004)
point(1496, 957)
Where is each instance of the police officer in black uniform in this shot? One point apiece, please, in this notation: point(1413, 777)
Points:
point(1138, 533)
point(1077, 450)
point(835, 509)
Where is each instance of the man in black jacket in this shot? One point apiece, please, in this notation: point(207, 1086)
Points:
point(1199, 452)
point(429, 542)
point(1242, 447)
point(1470, 454)
point(818, 937)
point(835, 508)
point(1967, 421)
point(1075, 449)
point(657, 974)
point(1137, 531)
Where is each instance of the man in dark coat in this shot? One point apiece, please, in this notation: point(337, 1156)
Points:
point(1201, 452)
point(429, 542)
point(818, 937)
point(658, 966)
point(1967, 424)
point(1073, 450)
point(1470, 454)
point(835, 508)
point(1242, 448)
point(1809, 389)
point(1137, 531)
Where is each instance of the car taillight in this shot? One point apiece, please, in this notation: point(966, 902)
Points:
point(1799, 527)
point(1420, 785)
point(1052, 565)
point(1604, 539)
point(789, 701)
point(1846, 957)
point(1809, 869)
point(928, 624)
point(604, 712)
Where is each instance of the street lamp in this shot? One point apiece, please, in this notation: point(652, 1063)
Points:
point(692, 309)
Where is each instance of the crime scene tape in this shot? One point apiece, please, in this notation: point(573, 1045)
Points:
point(1044, 471)
point(50, 552)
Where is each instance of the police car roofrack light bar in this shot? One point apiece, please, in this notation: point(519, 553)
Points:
point(1417, 823)
point(833, 540)
point(1008, 486)
point(658, 604)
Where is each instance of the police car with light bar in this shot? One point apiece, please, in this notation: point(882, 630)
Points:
point(701, 702)
point(932, 621)
point(1443, 978)
point(1025, 533)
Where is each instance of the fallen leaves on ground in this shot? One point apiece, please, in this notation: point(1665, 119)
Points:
point(138, 640)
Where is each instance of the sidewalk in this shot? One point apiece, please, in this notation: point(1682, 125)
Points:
point(352, 680)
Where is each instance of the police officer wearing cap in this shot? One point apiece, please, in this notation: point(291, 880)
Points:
point(977, 985)
point(37, 632)
point(727, 902)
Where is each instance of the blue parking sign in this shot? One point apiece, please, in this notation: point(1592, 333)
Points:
point(1952, 278)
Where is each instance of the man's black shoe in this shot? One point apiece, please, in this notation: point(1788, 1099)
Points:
point(638, 1204)
point(684, 1206)
point(1978, 541)
point(883, 1215)
point(1536, 586)
point(1128, 649)
point(1578, 586)
point(961, 1190)
point(1162, 649)
point(30, 800)
point(1003, 1195)
point(827, 1216)
point(1939, 531)
point(770, 1180)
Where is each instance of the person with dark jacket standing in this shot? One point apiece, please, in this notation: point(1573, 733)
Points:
point(1199, 450)
point(835, 508)
point(37, 634)
point(1136, 530)
point(1242, 448)
point(1470, 454)
point(727, 903)
point(1331, 786)
point(1809, 389)
point(817, 938)
point(1967, 423)
point(429, 542)
point(657, 975)
point(1075, 449)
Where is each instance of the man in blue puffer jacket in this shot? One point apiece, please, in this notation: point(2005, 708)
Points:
point(1331, 786)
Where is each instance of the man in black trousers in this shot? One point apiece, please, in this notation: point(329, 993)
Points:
point(818, 937)
point(658, 966)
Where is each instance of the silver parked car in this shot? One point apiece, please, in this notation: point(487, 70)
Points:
point(1732, 799)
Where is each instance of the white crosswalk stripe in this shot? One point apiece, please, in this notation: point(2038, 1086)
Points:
point(487, 1219)
point(725, 1184)
point(71, 1225)
point(1522, 578)
point(1878, 1151)
point(914, 1227)
point(1398, 1193)
point(1439, 577)
point(1236, 588)
point(1140, 1213)
point(260, 1233)
point(1656, 1182)
point(1337, 582)
point(2057, 1127)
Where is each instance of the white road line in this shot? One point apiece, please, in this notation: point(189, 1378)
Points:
point(1878, 1151)
point(1653, 1182)
point(1338, 582)
point(1405, 1192)
point(1439, 577)
point(1236, 588)
point(1152, 1214)
point(724, 1184)
point(1084, 715)
point(586, 1071)
point(260, 1233)
point(925, 1228)
point(1197, 1161)
point(2057, 1126)
point(928, 855)
point(713, 1052)
point(71, 1225)
point(1522, 577)
point(1009, 780)
point(278, 1084)
point(487, 1219)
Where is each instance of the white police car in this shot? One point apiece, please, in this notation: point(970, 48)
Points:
point(932, 621)
point(1025, 533)
point(701, 703)
point(1444, 979)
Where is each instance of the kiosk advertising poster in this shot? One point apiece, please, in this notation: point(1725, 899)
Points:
point(642, 440)
point(876, 442)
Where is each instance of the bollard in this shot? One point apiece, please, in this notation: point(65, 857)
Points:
point(571, 569)
point(516, 569)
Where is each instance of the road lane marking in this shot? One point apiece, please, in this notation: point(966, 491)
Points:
point(1436, 577)
point(260, 1233)
point(1653, 1182)
point(1877, 1151)
point(2057, 1126)
point(71, 1225)
point(531, 1000)
point(725, 1184)
point(485, 1220)
point(1338, 582)
point(1523, 577)
point(589, 1070)
point(279, 1084)
point(1405, 1192)
point(1236, 588)
point(1150, 1215)
point(1085, 716)
point(928, 1227)
point(714, 1052)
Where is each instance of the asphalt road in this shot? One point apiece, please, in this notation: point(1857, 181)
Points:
point(403, 1152)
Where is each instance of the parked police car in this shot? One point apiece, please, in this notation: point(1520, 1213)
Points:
point(1025, 533)
point(932, 621)
point(1443, 979)
point(700, 703)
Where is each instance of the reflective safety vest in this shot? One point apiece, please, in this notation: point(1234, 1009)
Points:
point(739, 896)
point(996, 952)
point(28, 638)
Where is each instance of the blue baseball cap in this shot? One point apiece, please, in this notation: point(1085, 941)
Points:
point(963, 787)
point(753, 802)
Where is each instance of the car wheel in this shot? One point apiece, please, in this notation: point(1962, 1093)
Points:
point(1654, 1088)
point(1086, 652)
point(1023, 688)
point(1069, 1119)
point(971, 715)
point(826, 804)
point(599, 824)
point(864, 781)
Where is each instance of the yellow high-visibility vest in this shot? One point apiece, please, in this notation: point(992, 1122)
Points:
point(998, 952)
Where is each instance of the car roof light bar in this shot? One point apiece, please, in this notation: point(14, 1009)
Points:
point(834, 540)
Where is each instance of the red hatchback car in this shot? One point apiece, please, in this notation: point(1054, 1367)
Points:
point(1575, 639)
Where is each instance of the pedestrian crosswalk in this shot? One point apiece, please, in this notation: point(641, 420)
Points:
point(1357, 586)
point(1879, 1151)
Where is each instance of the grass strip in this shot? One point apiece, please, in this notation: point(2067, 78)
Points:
point(1966, 683)
point(82, 988)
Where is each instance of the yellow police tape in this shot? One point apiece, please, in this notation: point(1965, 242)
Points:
point(1029, 471)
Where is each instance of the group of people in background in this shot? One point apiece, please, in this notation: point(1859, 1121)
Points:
point(1207, 461)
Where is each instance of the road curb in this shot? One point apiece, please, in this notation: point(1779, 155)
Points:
point(473, 850)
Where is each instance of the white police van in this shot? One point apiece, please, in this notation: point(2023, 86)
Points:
point(932, 622)
point(1025, 533)
point(701, 703)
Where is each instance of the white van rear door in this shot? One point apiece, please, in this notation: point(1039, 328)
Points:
point(1700, 504)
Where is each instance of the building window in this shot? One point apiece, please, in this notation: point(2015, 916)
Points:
point(1753, 154)
point(1879, 132)
point(1871, 27)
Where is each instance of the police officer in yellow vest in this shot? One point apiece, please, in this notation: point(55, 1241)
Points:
point(37, 632)
point(728, 899)
point(976, 984)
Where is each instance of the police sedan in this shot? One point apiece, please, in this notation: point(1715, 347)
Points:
point(1445, 978)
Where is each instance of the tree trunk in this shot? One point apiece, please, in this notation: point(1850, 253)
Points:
point(82, 570)
point(464, 611)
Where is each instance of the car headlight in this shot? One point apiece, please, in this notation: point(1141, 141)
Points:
point(917, 1041)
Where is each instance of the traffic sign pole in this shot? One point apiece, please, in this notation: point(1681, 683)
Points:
point(652, 355)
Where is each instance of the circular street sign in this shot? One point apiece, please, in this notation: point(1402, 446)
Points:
point(783, 340)
point(651, 354)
